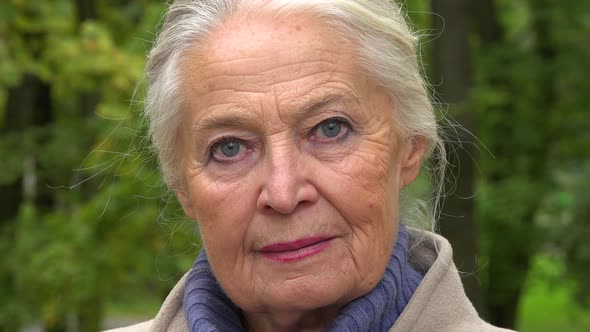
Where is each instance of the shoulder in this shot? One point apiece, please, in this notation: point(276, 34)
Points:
point(141, 327)
point(440, 302)
point(170, 317)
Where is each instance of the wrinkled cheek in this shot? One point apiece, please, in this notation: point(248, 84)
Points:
point(370, 174)
point(214, 199)
point(223, 214)
point(224, 231)
point(371, 183)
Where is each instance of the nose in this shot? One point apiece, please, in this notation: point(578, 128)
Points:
point(287, 182)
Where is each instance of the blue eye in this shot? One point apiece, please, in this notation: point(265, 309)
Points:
point(331, 128)
point(227, 149)
point(230, 148)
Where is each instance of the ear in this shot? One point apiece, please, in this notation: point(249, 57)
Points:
point(411, 160)
point(186, 202)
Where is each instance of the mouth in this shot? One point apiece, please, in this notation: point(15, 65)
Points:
point(296, 250)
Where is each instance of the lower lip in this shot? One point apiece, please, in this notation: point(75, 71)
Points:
point(297, 254)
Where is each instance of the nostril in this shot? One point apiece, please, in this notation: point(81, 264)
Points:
point(286, 186)
point(285, 210)
point(283, 207)
point(287, 202)
point(304, 204)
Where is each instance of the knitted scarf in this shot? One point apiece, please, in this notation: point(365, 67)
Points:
point(208, 309)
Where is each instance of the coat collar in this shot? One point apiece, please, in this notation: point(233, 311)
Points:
point(439, 303)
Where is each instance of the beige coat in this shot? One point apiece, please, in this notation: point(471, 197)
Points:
point(439, 304)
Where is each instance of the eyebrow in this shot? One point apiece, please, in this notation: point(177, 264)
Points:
point(320, 103)
point(226, 119)
point(240, 120)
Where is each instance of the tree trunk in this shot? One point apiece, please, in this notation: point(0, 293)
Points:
point(22, 116)
point(451, 61)
point(11, 194)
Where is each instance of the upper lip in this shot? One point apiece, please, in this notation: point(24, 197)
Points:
point(294, 245)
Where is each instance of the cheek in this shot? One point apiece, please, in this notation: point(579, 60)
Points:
point(362, 188)
point(363, 181)
point(223, 211)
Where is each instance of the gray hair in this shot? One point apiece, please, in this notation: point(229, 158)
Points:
point(387, 51)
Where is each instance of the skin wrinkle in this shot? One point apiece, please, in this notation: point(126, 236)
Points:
point(232, 118)
point(231, 111)
point(323, 64)
point(325, 84)
point(287, 186)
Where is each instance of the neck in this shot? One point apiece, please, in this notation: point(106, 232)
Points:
point(207, 307)
point(317, 320)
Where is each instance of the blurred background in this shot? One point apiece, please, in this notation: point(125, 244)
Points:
point(90, 238)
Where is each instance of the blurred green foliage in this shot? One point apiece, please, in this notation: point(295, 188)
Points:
point(84, 217)
point(89, 217)
point(533, 117)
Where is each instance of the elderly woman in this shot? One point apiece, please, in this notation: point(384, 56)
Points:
point(288, 129)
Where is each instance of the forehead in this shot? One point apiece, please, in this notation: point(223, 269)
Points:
point(266, 47)
point(257, 35)
point(257, 62)
point(262, 40)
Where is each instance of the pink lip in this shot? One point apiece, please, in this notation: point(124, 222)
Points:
point(296, 250)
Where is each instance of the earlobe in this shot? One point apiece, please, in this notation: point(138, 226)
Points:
point(412, 160)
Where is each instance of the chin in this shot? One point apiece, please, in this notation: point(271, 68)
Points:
point(312, 292)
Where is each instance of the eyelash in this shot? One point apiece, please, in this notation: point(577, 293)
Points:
point(346, 130)
point(218, 142)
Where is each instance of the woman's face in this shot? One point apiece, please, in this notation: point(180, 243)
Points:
point(292, 165)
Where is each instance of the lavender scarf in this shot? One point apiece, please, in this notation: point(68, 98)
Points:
point(208, 309)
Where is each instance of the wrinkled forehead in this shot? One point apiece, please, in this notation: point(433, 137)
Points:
point(268, 68)
point(262, 53)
